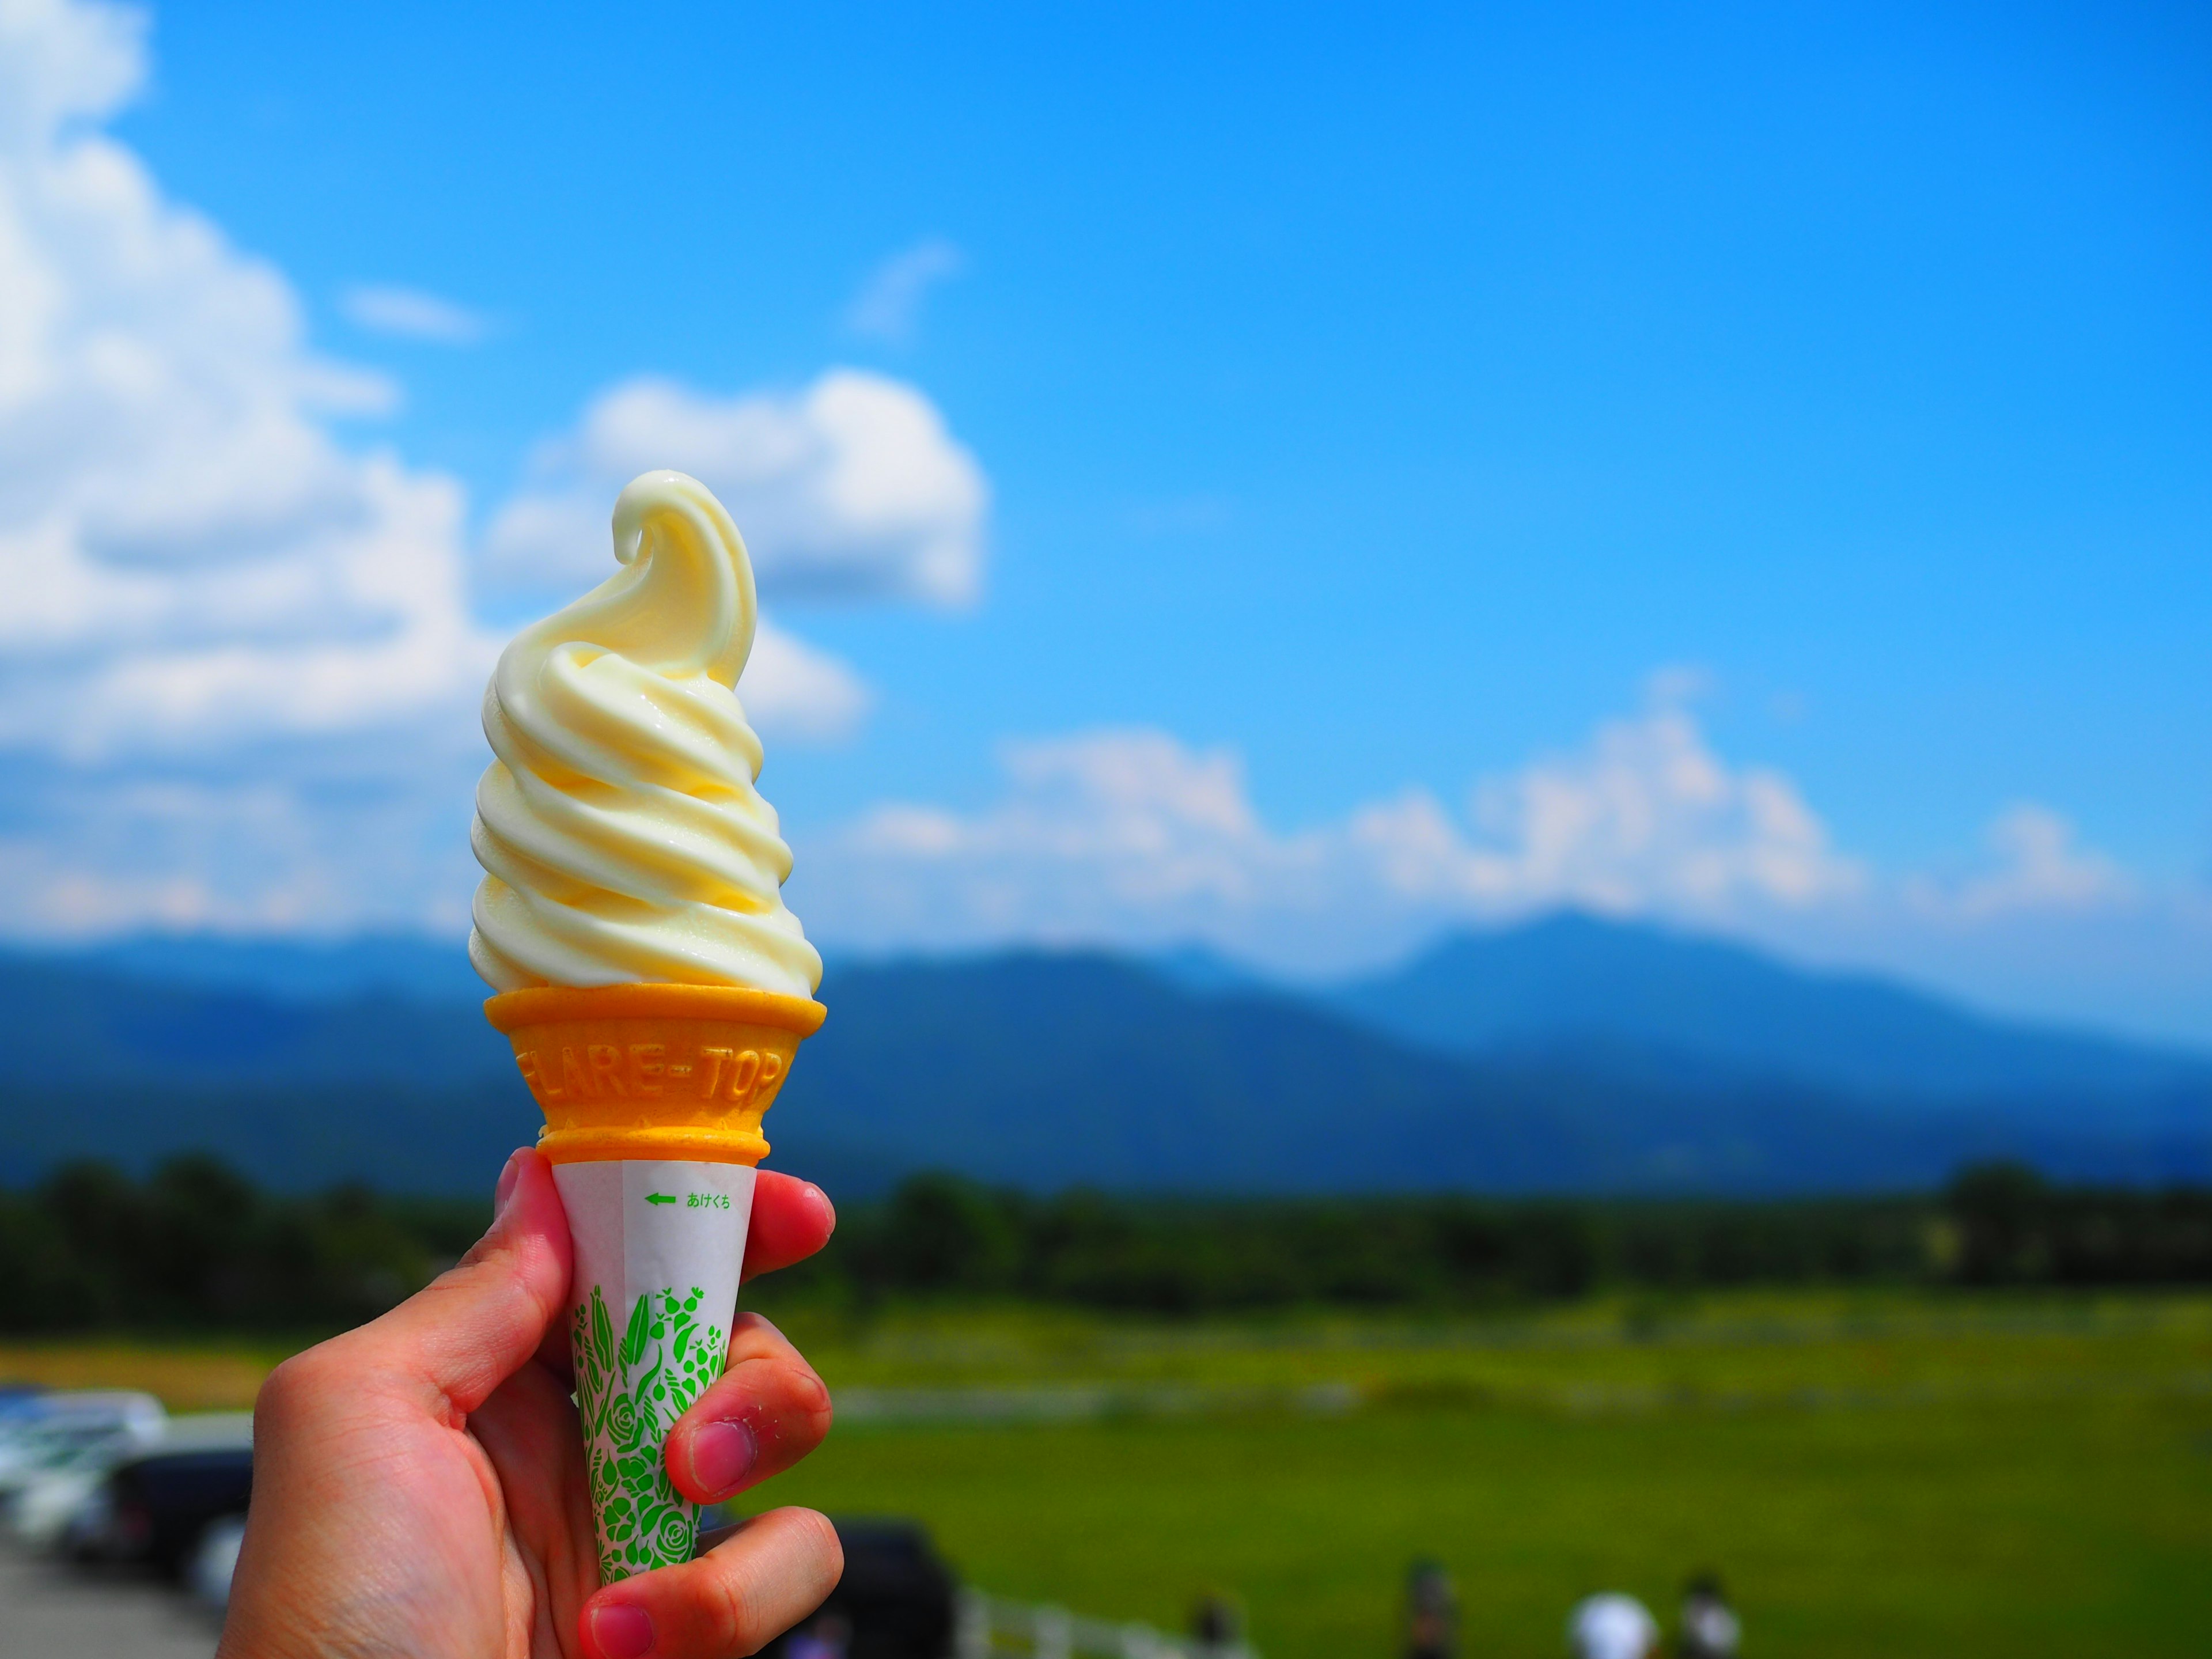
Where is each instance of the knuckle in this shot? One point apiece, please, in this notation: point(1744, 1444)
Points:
point(812, 1395)
point(289, 1390)
point(738, 1625)
point(748, 1614)
point(826, 1540)
point(754, 1332)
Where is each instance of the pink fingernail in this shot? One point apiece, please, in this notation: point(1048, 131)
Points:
point(507, 1179)
point(622, 1631)
point(723, 1454)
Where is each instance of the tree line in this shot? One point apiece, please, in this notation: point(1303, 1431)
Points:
point(195, 1246)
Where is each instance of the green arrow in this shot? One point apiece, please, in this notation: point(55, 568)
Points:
point(658, 1198)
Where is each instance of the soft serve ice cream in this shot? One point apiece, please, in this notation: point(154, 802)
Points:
point(651, 981)
point(623, 839)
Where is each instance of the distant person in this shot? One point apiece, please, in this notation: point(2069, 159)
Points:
point(1216, 1627)
point(1432, 1612)
point(827, 1636)
point(1710, 1626)
point(1611, 1627)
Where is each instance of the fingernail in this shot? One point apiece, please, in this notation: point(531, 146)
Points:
point(508, 1178)
point(622, 1631)
point(723, 1454)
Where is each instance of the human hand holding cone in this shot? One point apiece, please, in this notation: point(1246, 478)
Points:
point(653, 986)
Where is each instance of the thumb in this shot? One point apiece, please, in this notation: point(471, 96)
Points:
point(471, 1328)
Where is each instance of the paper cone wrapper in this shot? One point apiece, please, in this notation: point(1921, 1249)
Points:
point(652, 1097)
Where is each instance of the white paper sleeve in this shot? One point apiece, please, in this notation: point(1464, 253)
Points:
point(658, 1246)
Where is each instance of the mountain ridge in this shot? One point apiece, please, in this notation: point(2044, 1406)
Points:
point(1036, 1069)
point(1571, 977)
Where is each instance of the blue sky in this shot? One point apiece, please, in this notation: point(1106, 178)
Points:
point(1791, 432)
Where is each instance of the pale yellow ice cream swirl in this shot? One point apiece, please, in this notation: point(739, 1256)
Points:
point(621, 837)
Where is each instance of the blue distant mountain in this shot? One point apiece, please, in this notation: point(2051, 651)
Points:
point(1568, 1055)
point(1573, 984)
point(1050, 1071)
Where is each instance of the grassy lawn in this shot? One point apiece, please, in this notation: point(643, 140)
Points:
point(187, 1376)
point(1892, 1477)
point(1955, 1529)
point(1873, 1473)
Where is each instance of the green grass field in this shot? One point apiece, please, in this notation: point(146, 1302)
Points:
point(1872, 1475)
point(1893, 1475)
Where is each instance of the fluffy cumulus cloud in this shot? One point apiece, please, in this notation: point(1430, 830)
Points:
point(849, 488)
point(191, 559)
point(240, 662)
point(1118, 834)
point(793, 689)
point(2039, 864)
point(1131, 837)
point(1645, 817)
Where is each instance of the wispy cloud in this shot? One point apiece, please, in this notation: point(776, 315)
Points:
point(889, 305)
point(410, 313)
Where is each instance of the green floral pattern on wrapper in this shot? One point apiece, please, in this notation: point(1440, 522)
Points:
point(629, 1395)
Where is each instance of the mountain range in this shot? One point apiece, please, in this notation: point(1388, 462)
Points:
point(1567, 1054)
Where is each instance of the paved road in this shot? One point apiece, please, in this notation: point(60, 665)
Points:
point(48, 1611)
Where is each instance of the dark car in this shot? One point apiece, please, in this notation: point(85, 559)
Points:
point(895, 1601)
point(153, 1509)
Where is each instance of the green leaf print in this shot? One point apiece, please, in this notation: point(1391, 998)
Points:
point(640, 1333)
point(626, 1401)
point(603, 1331)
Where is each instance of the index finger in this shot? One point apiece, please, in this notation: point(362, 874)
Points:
point(792, 1220)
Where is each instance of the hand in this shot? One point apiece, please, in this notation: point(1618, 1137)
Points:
point(419, 1488)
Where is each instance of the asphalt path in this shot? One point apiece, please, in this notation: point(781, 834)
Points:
point(48, 1609)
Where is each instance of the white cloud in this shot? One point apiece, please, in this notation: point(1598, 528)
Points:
point(411, 314)
point(191, 560)
point(889, 305)
point(1646, 816)
point(852, 487)
point(1129, 835)
point(239, 667)
point(310, 842)
point(791, 690)
point(1132, 838)
point(2039, 866)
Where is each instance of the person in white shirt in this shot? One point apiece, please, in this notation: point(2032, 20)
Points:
point(1611, 1627)
point(1710, 1627)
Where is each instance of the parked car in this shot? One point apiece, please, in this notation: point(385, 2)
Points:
point(155, 1509)
point(57, 1505)
point(55, 1430)
point(215, 1562)
point(895, 1601)
point(21, 1405)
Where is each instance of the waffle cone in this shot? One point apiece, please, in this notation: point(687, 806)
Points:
point(654, 1072)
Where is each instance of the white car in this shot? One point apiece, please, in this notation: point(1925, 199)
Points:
point(21, 1405)
point(59, 1427)
point(58, 1506)
point(216, 1561)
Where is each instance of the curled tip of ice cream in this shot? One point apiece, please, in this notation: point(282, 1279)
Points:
point(621, 836)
